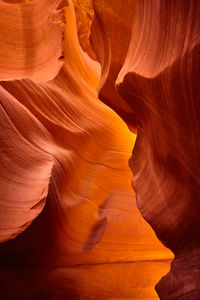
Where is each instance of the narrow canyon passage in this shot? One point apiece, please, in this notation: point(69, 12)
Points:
point(99, 149)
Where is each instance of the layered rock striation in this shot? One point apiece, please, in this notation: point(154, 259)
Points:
point(156, 78)
point(69, 226)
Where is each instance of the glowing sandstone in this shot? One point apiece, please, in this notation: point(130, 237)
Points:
point(158, 81)
point(64, 158)
point(30, 39)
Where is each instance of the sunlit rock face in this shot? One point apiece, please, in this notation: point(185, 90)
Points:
point(28, 31)
point(69, 225)
point(153, 50)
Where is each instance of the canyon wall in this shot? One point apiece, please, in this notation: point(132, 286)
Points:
point(153, 50)
point(80, 81)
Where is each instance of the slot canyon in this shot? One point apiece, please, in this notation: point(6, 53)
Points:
point(99, 149)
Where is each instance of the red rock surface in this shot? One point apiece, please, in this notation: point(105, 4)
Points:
point(158, 80)
point(69, 223)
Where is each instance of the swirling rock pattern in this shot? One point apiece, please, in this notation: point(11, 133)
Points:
point(69, 226)
point(30, 39)
point(157, 78)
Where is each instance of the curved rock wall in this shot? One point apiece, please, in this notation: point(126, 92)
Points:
point(157, 78)
point(69, 225)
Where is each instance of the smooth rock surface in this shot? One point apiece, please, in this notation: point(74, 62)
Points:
point(69, 224)
point(158, 80)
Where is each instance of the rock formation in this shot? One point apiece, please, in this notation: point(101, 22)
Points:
point(153, 50)
point(69, 225)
